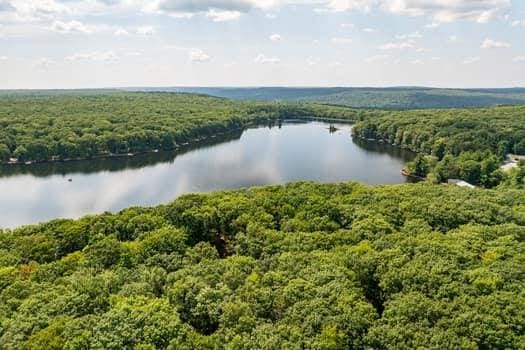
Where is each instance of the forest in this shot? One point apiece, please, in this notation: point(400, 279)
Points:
point(44, 126)
point(300, 266)
point(468, 144)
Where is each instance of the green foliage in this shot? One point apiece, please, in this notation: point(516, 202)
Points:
point(63, 126)
point(5, 153)
point(468, 144)
point(421, 165)
point(464, 143)
point(301, 266)
point(516, 178)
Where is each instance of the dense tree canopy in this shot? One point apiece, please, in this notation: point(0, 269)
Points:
point(301, 266)
point(458, 143)
point(40, 127)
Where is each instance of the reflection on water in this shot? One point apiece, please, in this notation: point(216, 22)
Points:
point(257, 156)
point(111, 164)
point(384, 148)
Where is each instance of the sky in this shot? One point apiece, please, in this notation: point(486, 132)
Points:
point(48, 44)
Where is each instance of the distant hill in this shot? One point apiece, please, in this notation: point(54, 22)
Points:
point(390, 98)
point(361, 97)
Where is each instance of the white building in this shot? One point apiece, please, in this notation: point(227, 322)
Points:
point(460, 183)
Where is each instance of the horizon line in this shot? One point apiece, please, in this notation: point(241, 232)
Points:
point(263, 87)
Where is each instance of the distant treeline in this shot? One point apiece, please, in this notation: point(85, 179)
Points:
point(55, 126)
point(383, 98)
point(469, 144)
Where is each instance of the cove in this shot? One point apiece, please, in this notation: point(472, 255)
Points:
point(256, 156)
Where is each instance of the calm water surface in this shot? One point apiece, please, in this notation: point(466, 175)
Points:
point(258, 156)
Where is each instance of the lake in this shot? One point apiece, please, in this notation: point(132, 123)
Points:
point(255, 156)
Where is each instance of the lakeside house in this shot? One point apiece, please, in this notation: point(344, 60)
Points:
point(516, 157)
point(512, 161)
point(460, 183)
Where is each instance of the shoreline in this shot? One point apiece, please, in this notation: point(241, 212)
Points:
point(185, 144)
point(123, 155)
point(382, 141)
point(506, 166)
point(403, 170)
point(407, 174)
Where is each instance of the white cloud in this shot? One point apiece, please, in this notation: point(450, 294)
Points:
point(98, 56)
point(438, 11)
point(442, 11)
point(217, 10)
point(414, 35)
point(28, 11)
point(70, 27)
point(4, 58)
point(369, 30)
point(341, 40)
point(518, 59)
point(233, 9)
point(194, 55)
point(518, 23)
point(492, 44)
point(145, 31)
point(223, 16)
point(188, 6)
point(377, 58)
point(197, 55)
point(275, 37)
point(435, 58)
point(120, 32)
point(453, 38)
point(346, 25)
point(423, 50)
point(341, 5)
point(138, 31)
point(432, 25)
point(470, 60)
point(416, 62)
point(396, 46)
point(311, 61)
point(261, 58)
